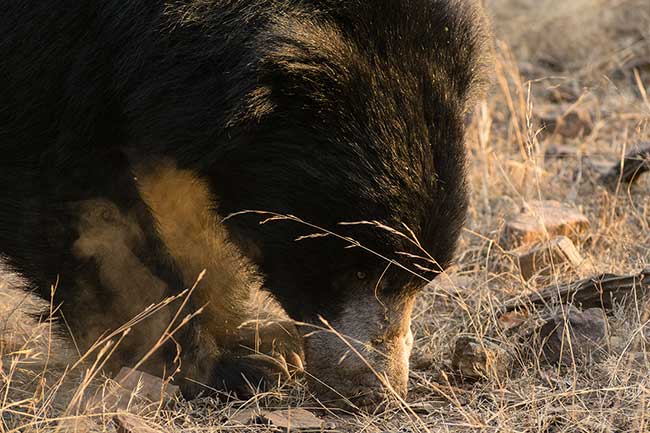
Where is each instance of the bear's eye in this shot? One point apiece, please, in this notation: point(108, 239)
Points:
point(361, 275)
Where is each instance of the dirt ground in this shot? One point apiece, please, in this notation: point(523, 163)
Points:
point(570, 98)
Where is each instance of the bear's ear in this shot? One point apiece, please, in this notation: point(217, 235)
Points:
point(301, 61)
point(304, 53)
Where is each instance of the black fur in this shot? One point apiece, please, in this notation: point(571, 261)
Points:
point(330, 110)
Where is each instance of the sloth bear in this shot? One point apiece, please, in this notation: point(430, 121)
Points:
point(310, 149)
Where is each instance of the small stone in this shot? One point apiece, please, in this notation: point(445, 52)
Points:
point(512, 320)
point(476, 359)
point(572, 335)
point(292, 420)
point(574, 123)
point(423, 361)
point(567, 92)
point(540, 220)
point(545, 257)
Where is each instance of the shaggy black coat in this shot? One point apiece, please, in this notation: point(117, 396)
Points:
point(331, 110)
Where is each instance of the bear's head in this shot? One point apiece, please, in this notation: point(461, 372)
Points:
point(350, 144)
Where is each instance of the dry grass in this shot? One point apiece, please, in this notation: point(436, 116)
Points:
point(584, 37)
point(554, 56)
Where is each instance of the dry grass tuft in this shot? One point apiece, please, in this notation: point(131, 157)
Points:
point(584, 37)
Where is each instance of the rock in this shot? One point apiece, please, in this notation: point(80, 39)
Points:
point(423, 361)
point(476, 359)
point(512, 320)
point(572, 335)
point(575, 122)
point(540, 220)
point(293, 420)
point(544, 257)
point(566, 92)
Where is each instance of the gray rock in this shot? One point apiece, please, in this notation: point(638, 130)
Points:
point(480, 358)
point(573, 335)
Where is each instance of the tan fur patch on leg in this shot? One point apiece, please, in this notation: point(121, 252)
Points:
point(185, 213)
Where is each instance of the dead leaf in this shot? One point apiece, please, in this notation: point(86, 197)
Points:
point(292, 420)
point(128, 423)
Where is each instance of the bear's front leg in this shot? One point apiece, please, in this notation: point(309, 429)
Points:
point(227, 351)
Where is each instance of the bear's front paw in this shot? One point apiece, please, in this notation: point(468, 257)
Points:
point(263, 355)
point(246, 375)
point(236, 374)
point(278, 339)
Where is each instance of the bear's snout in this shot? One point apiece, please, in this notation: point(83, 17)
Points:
point(361, 357)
